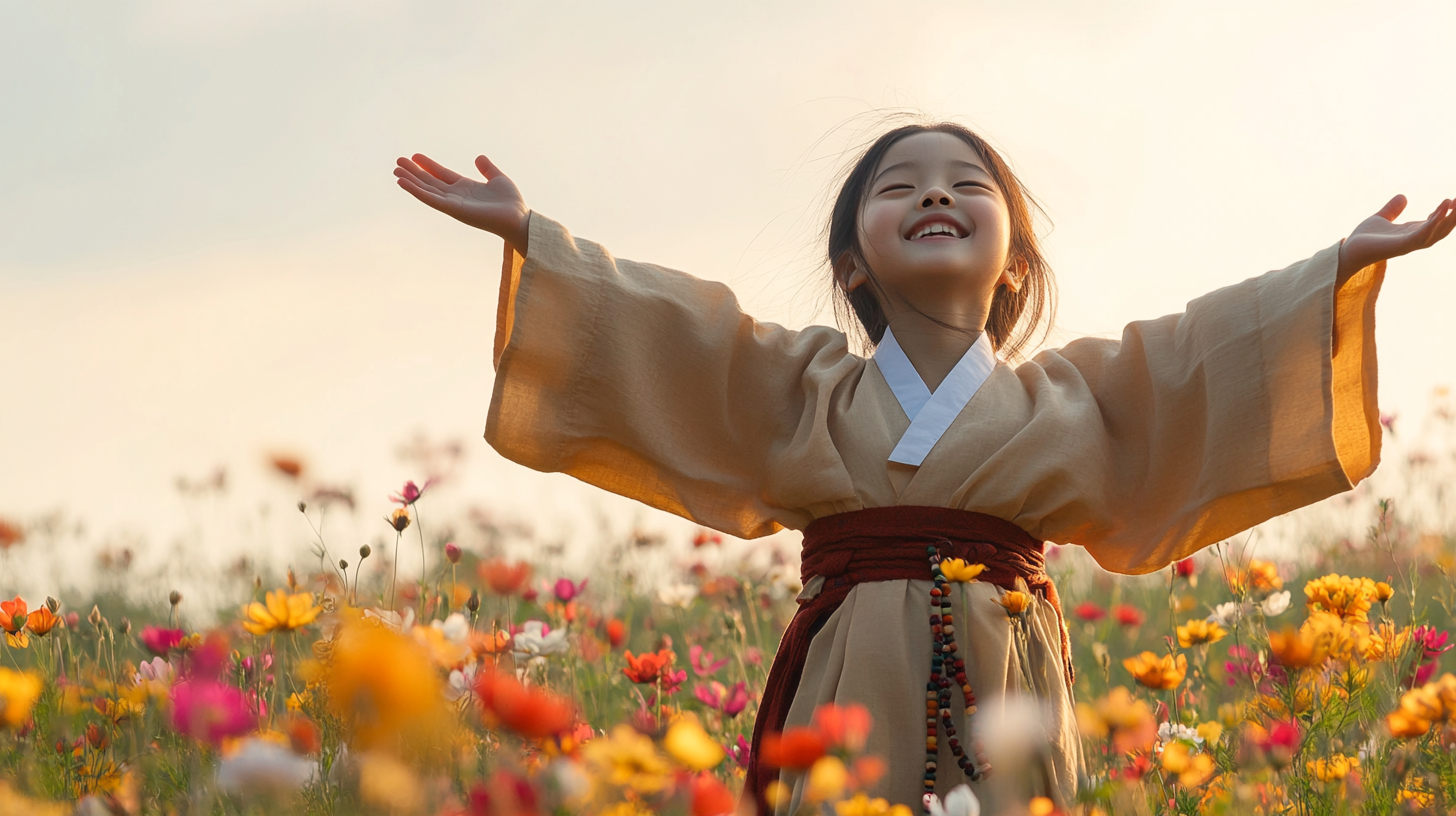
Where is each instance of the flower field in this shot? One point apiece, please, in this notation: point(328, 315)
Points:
point(1309, 682)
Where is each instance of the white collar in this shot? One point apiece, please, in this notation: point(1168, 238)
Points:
point(930, 413)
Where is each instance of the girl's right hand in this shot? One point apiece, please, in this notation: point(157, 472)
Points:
point(495, 206)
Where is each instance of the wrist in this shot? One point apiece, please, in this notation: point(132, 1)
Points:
point(520, 235)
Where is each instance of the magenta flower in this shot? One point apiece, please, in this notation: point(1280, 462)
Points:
point(452, 552)
point(739, 751)
point(1432, 641)
point(1388, 420)
point(673, 680)
point(161, 641)
point(410, 493)
point(565, 590)
point(703, 663)
point(711, 695)
point(209, 711)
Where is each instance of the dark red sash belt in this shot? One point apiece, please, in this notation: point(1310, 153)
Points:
point(888, 544)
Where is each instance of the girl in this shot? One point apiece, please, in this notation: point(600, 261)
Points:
point(647, 382)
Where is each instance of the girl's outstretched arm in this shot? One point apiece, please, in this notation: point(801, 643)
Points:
point(1378, 238)
point(495, 206)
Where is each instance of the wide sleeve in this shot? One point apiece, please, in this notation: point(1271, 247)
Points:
point(1257, 400)
point(654, 385)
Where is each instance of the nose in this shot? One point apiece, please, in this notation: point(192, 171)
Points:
point(934, 196)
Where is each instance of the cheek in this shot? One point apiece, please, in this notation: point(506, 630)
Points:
point(879, 229)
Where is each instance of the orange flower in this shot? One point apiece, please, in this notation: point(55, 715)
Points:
point(504, 578)
point(10, 534)
point(12, 620)
point(1294, 649)
point(647, 668)
point(1157, 672)
point(847, 726)
point(41, 621)
point(483, 643)
point(533, 713)
point(1014, 602)
point(290, 466)
point(796, 748)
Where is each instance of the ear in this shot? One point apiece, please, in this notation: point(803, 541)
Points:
point(848, 273)
point(1013, 275)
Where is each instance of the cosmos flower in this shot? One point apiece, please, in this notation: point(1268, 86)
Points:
point(958, 571)
point(703, 662)
point(161, 641)
point(1196, 632)
point(565, 590)
point(1090, 612)
point(12, 620)
point(796, 748)
point(263, 767)
point(690, 745)
point(18, 692)
point(410, 493)
point(281, 612)
point(679, 595)
point(1157, 672)
point(531, 712)
point(647, 667)
point(627, 759)
point(536, 641)
point(209, 711)
point(1275, 604)
point(1015, 602)
point(1128, 615)
point(502, 577)
point(41, 621)
point(961, 801)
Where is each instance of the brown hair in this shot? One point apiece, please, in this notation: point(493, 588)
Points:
point(1015, 314)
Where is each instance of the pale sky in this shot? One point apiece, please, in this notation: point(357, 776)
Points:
point(204, 257)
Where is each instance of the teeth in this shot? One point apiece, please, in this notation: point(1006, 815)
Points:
point(938, 228)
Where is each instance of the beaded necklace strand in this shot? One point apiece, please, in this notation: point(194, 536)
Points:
point(945, 666)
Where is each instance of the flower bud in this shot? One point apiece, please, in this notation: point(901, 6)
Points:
point(73, 619)
point(302, 506)
point(364, 552)
point(399, 520)
point(1383, 591)
point(95, 617)
point(343, 565)
point(125, 625)
point(53, 605)
point(175, 598)
point(473, 604)
point(452, 552)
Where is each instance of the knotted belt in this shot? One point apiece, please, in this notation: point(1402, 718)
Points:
point(888, 544)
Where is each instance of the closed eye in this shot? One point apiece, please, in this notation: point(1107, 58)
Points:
point(894, 187)
point(972, 184)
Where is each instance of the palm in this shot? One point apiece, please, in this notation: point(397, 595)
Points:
point(495, 205)
point(1379, 238)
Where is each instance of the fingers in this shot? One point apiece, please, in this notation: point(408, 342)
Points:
point(408, 169)
point(436, 169)
point(1392, 208)
point(426, 195)
point(487, 168)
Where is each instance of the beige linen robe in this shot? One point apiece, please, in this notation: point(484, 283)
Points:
point(652, 384)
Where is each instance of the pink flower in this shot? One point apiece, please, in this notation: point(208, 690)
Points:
point(739, 751)
point(1432, 641)
point(452, 552)
point(209, 711)
point(1388, 420)
point(565, 590)
point(703, 663)
point(410, 493)
point(715, 696)
point(161, 641)
point(673, 680)
point(753, 655)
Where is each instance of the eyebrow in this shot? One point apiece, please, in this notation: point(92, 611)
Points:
point(912, 163)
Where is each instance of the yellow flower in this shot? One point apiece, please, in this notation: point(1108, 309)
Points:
point(18, 692)
point(625, 758)
point(827, 778)
point(12, 801)
point(1192, 769)
point(958, 571)
point(1385, 642)
point(777, 794)
point(1261, 577)
point(1210, 731)
point(399, 520)
point(1041, 806)
point(1200, 631)
point(1015, 602)
point(1383, 591)
point(1334, 636)
point(281, 612)
point(1333, 768)
point(389, 783)
point(690, 745)
point(1350, 598)
point(1157, 672)
point(862, 805)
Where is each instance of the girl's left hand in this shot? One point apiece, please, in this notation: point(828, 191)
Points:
point(1378, 238)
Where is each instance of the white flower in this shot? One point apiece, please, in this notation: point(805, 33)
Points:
point(534, 642)
point(677, 594)
point(1225, 614)
point(959, 802)
point(264, 767)
point(155, 670)
point(1168, 731)
point(1368, 749)
point(392, 619)
point(1276, 604)
point(462, 683)
point(455, 628)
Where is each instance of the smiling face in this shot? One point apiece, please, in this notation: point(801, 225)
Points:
point(935, 229)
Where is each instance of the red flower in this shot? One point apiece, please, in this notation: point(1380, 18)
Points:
point(846, 726)
point(1090, 612)
point(705, 537)
point(711, 797)
point(10, 534)
point(1128, 615)
point(533, 713)
point(504, 578)
point(161, 641)
point(616, 633)
point(647, 668)
point(1184, 568)
point(796, 748)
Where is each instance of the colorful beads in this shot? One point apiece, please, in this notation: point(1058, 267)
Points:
point(945, 666)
